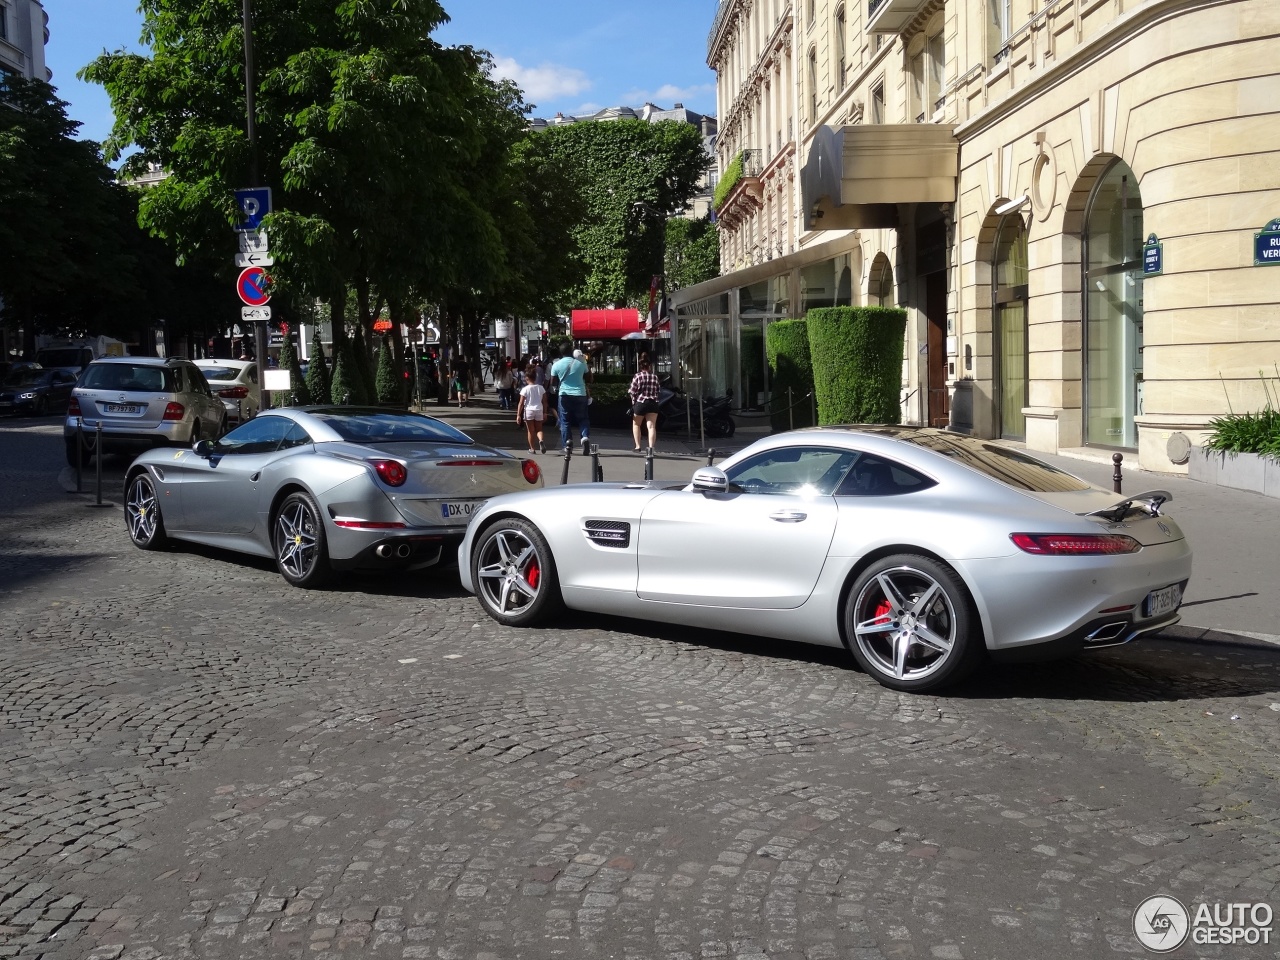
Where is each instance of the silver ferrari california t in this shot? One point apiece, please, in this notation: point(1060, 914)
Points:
point(920, 550)
point(321, 489)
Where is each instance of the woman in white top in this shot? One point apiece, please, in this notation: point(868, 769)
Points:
point(531, 410)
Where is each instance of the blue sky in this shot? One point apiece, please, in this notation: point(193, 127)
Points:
point(569, 56)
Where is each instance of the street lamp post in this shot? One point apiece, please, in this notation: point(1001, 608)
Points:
point(260, 344)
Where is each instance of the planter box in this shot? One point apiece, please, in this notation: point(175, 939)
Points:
point(1239, 471)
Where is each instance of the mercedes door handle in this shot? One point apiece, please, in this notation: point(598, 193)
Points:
point(788, 516)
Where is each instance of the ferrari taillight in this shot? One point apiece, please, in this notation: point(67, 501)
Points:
point(392, 472)
point(530, 470)
point(1075, 544)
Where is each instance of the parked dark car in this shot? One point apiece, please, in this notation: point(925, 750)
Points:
point(35, 391)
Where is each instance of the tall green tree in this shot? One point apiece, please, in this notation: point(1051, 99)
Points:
point(633, 174)
point(317, 370)
point(693, 252)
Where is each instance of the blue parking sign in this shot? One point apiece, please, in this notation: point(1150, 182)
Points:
point(254, 203)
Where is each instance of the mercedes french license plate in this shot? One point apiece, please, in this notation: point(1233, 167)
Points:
point(120, 408)
point(1162, 601)
point(459, 509)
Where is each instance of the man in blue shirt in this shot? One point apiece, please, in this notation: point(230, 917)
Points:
point(569, 373)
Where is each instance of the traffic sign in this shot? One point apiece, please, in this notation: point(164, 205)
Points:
point(253, 241)
point(254, 260)
point(253, 315)
point(1266, 245)
point(252, 286)
point(254, 203)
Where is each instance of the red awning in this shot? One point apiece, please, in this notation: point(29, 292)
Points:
point(604, 324)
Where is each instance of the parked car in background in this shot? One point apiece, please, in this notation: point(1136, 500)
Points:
point(141, 402)
point(236, 382)
point(921, 551)
point(323, 488)
point(73, 355)
point(35, 391)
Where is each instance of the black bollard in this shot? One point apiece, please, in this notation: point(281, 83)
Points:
point(648, 463)
point(568, 455)
point(1117, 481)
point(97, 463)
point(711, 457)
point(597, 475)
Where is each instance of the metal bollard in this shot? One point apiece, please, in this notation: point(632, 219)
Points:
point(711, 457)
point(568, 455)
point(1117, 481)
point(791, 412)
point(97, 462)
point(79, 454)
point(648, 463)
point(597, 474)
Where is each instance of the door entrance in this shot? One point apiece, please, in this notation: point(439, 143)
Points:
point(935, 308)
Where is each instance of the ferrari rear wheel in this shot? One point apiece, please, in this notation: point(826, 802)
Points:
point(302, 553)
point(910, 623)
point(142, 514)
point(514, 573)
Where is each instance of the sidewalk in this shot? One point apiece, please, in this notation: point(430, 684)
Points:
point(1235, 587)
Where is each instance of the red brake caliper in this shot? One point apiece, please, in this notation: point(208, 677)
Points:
point(883, 612)
point(534, 575)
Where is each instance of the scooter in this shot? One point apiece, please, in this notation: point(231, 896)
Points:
point(676, 413)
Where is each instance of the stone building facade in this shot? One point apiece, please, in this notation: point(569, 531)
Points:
point(1064, 194)
point(24, 31)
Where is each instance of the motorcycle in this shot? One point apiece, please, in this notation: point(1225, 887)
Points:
point(677, 413)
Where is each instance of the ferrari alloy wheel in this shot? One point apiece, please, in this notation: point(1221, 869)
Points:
point(514, 574)
point(301, 551)
point(142, 514)
point(910, 624)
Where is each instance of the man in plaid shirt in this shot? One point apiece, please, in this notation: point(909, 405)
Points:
point(644, 402)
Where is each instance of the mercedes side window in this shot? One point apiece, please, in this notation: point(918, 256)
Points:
point(876, 477)
point(797, 471)
point(259, 435)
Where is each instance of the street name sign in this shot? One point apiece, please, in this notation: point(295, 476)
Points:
point(252, 286)
point(1152, 257)
point(1266, 245)
point(253, 315)
point(254, 203)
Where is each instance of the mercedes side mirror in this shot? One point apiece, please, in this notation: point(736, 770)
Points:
point(203, 448)
point(710, 480)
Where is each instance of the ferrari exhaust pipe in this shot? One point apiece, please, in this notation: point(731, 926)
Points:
point(384, 551)
point(403, 551)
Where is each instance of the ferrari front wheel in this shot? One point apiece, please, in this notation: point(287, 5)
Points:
point(142, 514)
point(514, 573)
point(910, 623)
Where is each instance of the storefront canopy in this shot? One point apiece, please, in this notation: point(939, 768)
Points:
point(604, 324)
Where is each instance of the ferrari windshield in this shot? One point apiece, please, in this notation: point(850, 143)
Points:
point(378, 426)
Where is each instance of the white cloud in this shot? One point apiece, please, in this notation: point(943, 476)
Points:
point(548, 81)
point(669, 93)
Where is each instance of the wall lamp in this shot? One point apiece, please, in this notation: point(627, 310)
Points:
point(1011, 205)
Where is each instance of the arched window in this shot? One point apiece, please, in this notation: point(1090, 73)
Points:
point(1009, 315)
point(1113, 309)
point(880, 282)
point(842, 64)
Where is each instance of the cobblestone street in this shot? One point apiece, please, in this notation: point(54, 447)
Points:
point(201, 761)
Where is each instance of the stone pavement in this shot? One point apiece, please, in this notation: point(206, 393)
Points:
point(200, 761)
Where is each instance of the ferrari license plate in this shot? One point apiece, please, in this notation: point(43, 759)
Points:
point(1162, 601)
point(120, 408)
point(459, 509)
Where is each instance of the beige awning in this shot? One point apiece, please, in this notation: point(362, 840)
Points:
point(855, 176)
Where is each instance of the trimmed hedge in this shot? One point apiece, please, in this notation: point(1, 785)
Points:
point(857, 363)
point(318, 372)
point(787, 347)
point(390, 391)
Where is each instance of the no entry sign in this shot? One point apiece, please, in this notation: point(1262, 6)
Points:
point(252, 286)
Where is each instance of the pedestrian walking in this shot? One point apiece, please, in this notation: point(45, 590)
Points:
point(461, 381)
point(531, 411)
point(506, 385)
point(644, 403)
point(568, 377)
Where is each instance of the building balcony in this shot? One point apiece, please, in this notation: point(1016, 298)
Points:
point(741, 190)
point(855, 177)
point(890, 16)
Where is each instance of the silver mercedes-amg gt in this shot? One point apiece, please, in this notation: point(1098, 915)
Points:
point(922, 551)
point(321, 489)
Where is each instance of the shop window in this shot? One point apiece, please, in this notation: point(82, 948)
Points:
point(1009, 314)
point(1113, 310)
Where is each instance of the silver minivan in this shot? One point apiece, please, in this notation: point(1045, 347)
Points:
point(141, 402)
